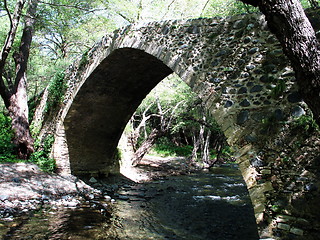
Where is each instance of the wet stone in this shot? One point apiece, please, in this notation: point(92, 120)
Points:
point(245, 75)
point(16, 180)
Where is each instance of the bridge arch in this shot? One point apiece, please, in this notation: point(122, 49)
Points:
point(104, 105)
point(234, 64)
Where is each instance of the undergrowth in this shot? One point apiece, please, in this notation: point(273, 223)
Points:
point(56, 91)
point(6, 135)
point(41, 156)
point(169, 149)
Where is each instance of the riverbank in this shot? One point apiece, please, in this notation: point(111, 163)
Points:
point(24, 188)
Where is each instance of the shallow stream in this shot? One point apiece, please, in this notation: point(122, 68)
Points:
point(201, 206)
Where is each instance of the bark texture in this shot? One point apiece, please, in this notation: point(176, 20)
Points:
point(146, 146)
point(15, 95)
point(288, 21)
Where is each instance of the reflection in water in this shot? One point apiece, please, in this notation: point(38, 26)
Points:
point(199, 206)
point(63, 223)
point(194, 207)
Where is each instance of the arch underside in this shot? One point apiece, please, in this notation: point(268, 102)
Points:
point(105, 103)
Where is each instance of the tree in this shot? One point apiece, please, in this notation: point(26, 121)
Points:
point(52, 23)
point(173, 113)
point(288, 21)
point(165, 120)
point(14, 93)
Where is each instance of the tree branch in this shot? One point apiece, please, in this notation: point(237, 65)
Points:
point(70, 6)
point(168, 8)
point(21, 58)
point(14, 22)
point(204, 7)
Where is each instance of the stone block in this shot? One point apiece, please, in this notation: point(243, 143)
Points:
point(284, 218)
point(297, 231)
point(265, 171)
point(284, 226)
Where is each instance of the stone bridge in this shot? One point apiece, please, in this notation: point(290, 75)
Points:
point(234, 64)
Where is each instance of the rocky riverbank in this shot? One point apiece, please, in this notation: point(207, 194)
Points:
point(24, 188)
point(168, 203)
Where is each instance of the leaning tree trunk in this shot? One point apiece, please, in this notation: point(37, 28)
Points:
point(287, 20)
point(146, 146)
point(15, 98)
point(18, 111)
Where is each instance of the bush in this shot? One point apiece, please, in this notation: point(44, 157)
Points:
point(56, 91)
point(306, 123)
point(6, 136)
point(165, 148)
point(41, 156)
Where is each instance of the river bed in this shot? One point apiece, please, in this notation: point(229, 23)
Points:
point(212, 205)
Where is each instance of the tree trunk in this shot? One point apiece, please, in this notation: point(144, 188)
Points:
point(206, 155)
point(287, 20)
point(146, 146)
point(18, 111)
point(16, 99)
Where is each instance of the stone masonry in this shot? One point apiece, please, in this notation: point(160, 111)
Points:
point(234, 64)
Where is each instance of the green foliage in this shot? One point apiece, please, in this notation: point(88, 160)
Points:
point(56, 90)
point(41, 156)
point(271, 124)
point(84, 59)
point(276, 208)
point(6, 136)
point(279, 89)
point(173, 101)
point(306, 123)
point(164, 148)
point(118, 154)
